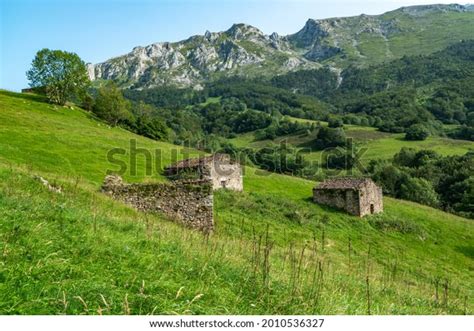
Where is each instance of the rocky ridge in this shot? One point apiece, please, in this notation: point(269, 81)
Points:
point(245, 50)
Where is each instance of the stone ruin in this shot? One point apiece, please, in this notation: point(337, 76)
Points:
point(188, 202)
point(357, 196)
point(220, 169)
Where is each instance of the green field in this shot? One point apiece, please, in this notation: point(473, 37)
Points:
point(273, 251)
point(377, 145)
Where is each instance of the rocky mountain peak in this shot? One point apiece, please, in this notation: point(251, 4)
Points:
point(313, 31)
point(241, 31)
point(245, 50)
point(427, 9)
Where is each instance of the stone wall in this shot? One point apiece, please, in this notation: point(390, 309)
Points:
point(364, 198)
point(346, 199)
point(220, 169)
point(226, 175)
point(188, 202)
point(371, 199)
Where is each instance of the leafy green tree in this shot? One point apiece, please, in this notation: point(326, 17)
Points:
point(405, 158)
point(463, 132)
point(335, 122)
point(339, 158)
point(419, 190)
point(328, 137)
point(111, 106)
point(470, 117)
point(389, 176)
point(62, 74)
point(148, 123)
point(417, 132)
point(466, 205)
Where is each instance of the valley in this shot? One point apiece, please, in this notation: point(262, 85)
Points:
point(376, 111)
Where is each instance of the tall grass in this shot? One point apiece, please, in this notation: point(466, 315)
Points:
point(273, 252)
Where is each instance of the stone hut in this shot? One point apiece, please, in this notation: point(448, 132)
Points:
point(357, 196)
point(220, 169)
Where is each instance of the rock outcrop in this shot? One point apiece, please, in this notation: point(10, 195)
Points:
point(245, 50)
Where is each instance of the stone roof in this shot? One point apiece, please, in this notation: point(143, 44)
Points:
point(198, 161)
point(343, 183)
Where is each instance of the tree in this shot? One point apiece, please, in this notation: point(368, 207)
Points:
point(148, 123)
point(405, 158)
point(417, 132)
point(470, 117)
point(62, 74)
point(111, 106)
point(419, 190)
point(391, 178)
point(339, 158)
point(328, 137)
point(335, 122)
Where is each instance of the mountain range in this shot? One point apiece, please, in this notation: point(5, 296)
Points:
point(334, 43)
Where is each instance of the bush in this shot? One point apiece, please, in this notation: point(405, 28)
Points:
point(153, 128)
point(335, 122)
point(429, 178)
point(419, 190)
point(340, 158)
point(417, 132)
point(328, 138)
point(148, 122)
point(388, 224)
point(464, 132)
point(111, 106)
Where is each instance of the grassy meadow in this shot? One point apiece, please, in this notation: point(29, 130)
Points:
point(273, 251)
point(376, 144)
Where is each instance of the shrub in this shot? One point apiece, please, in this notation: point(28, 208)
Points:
point(387, 224)
point(148, 122)
point(111, 106)
point(419, 190)
point(417, 132)
point(340, 158)
point(328, 137)
point(335, 122)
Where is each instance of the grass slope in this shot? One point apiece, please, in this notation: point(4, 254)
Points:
point(274, 251)
point(407, 34)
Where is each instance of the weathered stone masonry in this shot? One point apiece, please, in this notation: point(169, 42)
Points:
point(188, 202)
point(357, 196)
point(220, 169)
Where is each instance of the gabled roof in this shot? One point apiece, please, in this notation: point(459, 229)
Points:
point(345, 183)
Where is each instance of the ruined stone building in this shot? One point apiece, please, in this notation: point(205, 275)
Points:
point(357, 196)
point(220, 169)
point(188, 202)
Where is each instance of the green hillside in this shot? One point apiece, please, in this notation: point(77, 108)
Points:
point(405, 31)
point(378, 145)
point(273, 251)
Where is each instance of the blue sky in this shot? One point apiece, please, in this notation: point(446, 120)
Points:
point(98, 30)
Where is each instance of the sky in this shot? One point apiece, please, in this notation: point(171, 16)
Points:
point(100, 29)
